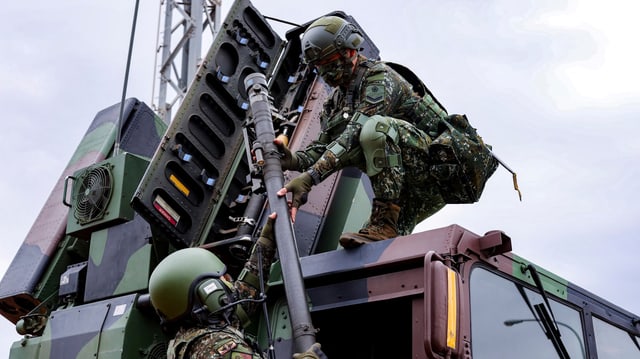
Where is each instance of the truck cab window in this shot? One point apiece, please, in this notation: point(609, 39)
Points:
point(504, 323)
point(613, 343)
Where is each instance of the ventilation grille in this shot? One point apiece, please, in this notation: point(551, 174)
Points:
point(94, 194)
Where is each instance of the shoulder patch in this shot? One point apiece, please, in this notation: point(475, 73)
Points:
point(374, 93)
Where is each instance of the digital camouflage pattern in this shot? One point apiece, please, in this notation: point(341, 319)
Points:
point(424, 179)
point(382, 91)
point(410, 185)
point(248, 283)
point(461, 161)
point(209, 343)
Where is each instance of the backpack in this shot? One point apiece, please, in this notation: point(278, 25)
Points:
point(461, 162)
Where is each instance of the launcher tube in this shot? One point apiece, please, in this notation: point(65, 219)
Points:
point(303, 330)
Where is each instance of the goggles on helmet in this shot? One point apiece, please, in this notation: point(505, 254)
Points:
point(327, 59)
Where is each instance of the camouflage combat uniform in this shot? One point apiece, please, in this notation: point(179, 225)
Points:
point(377, 89)
point(223, 339)
point(208, 343)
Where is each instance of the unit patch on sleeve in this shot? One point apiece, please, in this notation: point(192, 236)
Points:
point(374, 93)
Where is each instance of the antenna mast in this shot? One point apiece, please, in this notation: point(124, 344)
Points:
point(179, 48)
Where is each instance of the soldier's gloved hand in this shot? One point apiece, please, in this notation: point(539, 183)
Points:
point(299, 188)
point(267, 234)
point(314, 352)
point(289, 160)
point(249, 279)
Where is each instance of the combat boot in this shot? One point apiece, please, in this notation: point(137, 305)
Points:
point(383, 224)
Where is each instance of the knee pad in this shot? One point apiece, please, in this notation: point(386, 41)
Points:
point(373, 139)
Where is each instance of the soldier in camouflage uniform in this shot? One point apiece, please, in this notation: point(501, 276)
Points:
point(374, 120)
point(190, 290)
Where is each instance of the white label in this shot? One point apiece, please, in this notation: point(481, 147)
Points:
point(211, 287)
point(119, 310)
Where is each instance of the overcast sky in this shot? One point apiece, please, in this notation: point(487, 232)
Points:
point(552, 85)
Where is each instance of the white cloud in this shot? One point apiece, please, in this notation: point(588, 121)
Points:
point(609, 75)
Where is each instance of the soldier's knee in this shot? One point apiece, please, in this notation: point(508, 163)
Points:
point(375, 133)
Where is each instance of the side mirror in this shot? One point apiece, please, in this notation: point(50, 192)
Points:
point(440, 307)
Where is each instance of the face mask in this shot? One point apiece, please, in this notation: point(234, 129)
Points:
point(336, 72)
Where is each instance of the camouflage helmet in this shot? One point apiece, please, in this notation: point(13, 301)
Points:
point(328, 35)
point(175, 280)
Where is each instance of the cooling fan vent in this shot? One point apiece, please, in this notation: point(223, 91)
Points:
point(157, 351)
point(93, 195)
